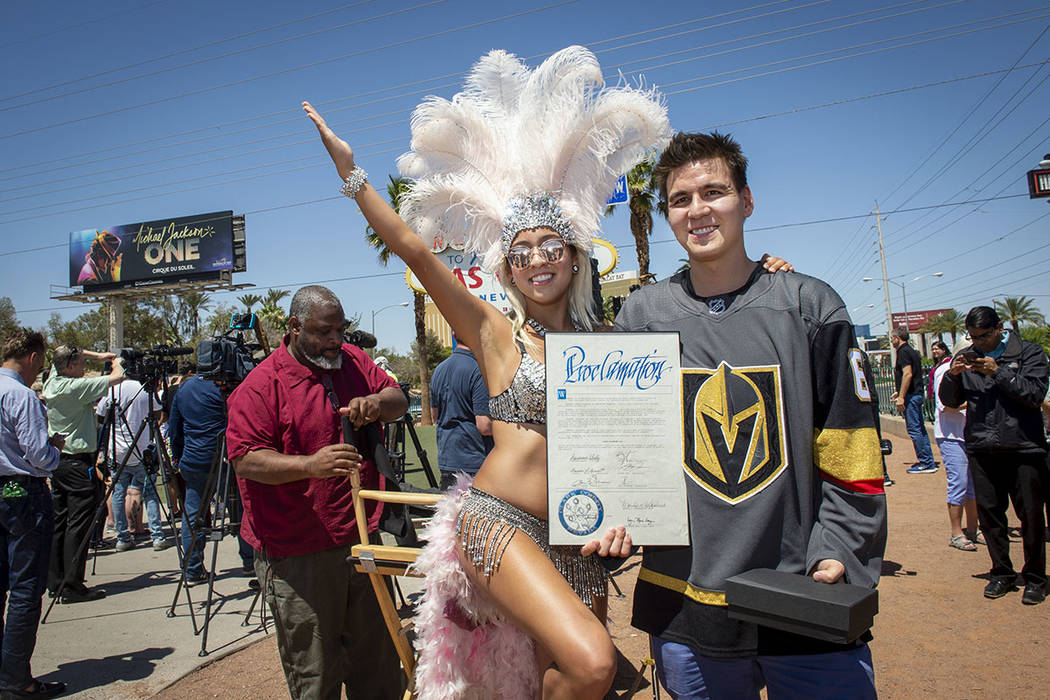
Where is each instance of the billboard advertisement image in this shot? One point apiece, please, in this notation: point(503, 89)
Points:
point(151, 252)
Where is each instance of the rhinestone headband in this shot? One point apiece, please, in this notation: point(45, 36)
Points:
point(535, 210)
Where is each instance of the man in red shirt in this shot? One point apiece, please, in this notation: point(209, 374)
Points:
point(285, 442)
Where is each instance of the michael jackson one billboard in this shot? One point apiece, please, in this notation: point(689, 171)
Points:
point(153, 252)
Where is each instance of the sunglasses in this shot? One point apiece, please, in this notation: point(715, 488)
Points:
point(550, 251)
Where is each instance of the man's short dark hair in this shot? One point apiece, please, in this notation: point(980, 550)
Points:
point(900, 332)
point(982, 317)
point(187, 368)
point(22, 343)
point(686, 147)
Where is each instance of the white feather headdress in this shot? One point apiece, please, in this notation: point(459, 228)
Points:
point(518, 148)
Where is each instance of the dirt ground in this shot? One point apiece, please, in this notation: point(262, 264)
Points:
point(935, 635)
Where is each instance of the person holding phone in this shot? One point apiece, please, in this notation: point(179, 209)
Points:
point(1002, 379)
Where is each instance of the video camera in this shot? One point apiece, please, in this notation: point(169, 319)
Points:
point(226, 359)
point(146, 366)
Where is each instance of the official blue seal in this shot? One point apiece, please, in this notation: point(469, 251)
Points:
point(580, 512)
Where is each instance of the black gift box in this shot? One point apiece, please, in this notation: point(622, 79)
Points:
point(839, 612)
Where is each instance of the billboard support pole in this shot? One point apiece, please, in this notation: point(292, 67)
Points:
point(116, 323)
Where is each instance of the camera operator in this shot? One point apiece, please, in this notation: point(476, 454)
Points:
point(131, 402)
point(197, 421)
point(75, 484)
point(27, 458)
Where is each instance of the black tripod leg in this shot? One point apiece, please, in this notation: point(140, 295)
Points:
point(100, 509)
point(427, 469)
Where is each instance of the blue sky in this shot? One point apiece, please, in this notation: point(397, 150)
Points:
point(133, 111)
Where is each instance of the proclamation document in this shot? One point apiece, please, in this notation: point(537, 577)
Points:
point(614, 437)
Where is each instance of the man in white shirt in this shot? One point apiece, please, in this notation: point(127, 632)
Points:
point(133, 404)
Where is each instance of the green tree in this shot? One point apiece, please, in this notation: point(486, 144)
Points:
point(948, 322)
point(395, 192)
point(249, 300)
point(8, 318)
point(643, 201)
point(433, 354)
point(273, 317)
point(1040, 335)
point(1017, 310)
point(219, 320)
point(191, 305)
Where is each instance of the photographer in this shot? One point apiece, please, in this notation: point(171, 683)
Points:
point(75, 485)
point(131, 402)
point(1002, 379)
point(197, 421)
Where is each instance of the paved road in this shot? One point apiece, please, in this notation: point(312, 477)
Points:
point(125, 645)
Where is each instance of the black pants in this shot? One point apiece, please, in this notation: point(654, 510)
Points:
point(997, 478)
point(76, 494)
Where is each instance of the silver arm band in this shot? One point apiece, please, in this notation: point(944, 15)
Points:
point(354, 180)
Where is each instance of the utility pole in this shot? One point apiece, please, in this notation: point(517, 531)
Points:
point(886, 287)
point(116, 323)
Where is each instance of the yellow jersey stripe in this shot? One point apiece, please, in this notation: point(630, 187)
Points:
point(683, 587)
point(848, 454)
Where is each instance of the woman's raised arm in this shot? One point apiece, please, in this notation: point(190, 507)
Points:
point(465, 312)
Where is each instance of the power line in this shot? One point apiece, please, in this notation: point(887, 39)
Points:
point(669, 240)
point(79, 25)
point(837, 58)
point(224, 41)
point(270, 139)
point(285, 71)
point(973, 110)
point(228, 54)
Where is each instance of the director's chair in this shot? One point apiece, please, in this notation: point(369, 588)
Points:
point(378, 561)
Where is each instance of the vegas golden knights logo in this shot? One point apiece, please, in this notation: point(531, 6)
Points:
point(735, 442)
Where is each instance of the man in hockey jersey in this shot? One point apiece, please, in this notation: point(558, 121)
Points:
point(782, 461)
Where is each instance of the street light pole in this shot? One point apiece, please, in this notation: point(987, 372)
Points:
point(376, 311)
point(904, 296)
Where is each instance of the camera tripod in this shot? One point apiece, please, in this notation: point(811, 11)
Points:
point(219, 515)
point(108, 448)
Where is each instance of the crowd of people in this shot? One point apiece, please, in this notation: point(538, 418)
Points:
point(518, 167)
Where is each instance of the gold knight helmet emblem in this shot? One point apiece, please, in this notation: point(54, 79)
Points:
point(737, 444)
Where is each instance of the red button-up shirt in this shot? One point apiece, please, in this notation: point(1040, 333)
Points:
point(283, 406)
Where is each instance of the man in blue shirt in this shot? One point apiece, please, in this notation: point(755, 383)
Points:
point(460, 401)
point(197, 422)
point(27, 458)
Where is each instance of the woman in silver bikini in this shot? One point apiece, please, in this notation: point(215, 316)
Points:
point(540, 255)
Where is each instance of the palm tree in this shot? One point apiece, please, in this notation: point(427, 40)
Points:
point(642, 203)
point(192, 304)
point(271, 310)
point(948, 322)
point(396, 189)
point(1016, 310)
point(249, 300)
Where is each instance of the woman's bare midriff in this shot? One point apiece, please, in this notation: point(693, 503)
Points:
point(516, 468)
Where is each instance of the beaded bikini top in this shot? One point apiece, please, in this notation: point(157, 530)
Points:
point(525, 400)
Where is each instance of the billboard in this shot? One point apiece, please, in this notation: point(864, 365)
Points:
point(916, 319)
point(152, 252)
